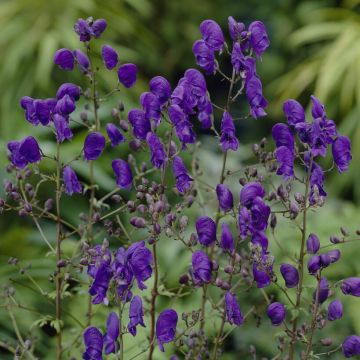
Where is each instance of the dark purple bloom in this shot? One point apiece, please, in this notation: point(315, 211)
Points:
point(110, 57)
point(283, 136)
point(261, 275)
point(82, 59)
point(257, 102)
point(72, 184)
point(335, 310)
point(112, 334)
point(212, 34)
point(29, 150)
point(249, 192)
point(183, 127)
point(135, 314)
point(183, 180)
point(227, 240)
point(122, 173)
point(233, 312)
point(83, 29)
point(244, 222)
point(100, 284)
point(98, 27)
point(276, 313)
point(235, 29)
point(27, 103)
point(351, 346)
point(294, 112)
point(141, 125)
point(290, 275)
point(205, 112)
point(201, 268)
point(260, 213)
point(70, 89)
point(65, 106)
point(225, 197)
point(161, 88)
point(94, 145)
point(158, 155)
point(259, 40)
point(351, 286)
point(166, 327)
point(334, 255)
point(204, 56)
point(260, 238)
point(237, 58)
point(17, 160)
point(151, 106)
point(42, 111)
point(314, 264)
point(196, 81)
point(93, 340)
point(64, 58)
point(114, 134)
point(317, 180)
point(325, 260)
point(312, 244)
point(285, 158)
point(206, 230)
point(323, 291)
point(228, 139)
point(127, 74)
point(341, 150)
point(317, 109)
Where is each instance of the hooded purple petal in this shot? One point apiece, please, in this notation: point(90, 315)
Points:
point(127, 75)
point(341, 150)
point(94, 145)
point(122, 173)
point(114, 134)
point(112, 334)
point(212, 34)
point(64, 58)
point(233, 312)
point(206, 230)
point(109, 56)
point(136, 315)
point(72, 184)
point(166, 327)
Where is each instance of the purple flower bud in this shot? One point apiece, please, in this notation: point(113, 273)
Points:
point(294, 112)
point(98, 27)
point(254, 95)
point(83, 29)
point(201, 268)
point(28, 150)
point(259, 40)
point(351, 346)
point(206, 230)
point(283, 136)
point(325, 260)
point(93, 340)
point(183, 180)
point(112, 334)
point(204, 56)
point(334, 255)
point(341, 150)
point(122, 173)
point(323, 291)
point(235, 29)
point(334, 239)
point(127, 74)
point(276, 312)
point(94, 145)
point(261, 277)
point(228, 139)
point(249, 192)
point(151, 106)
point(110, 57)
point(233, 312)
point(351, 286)
point(212, 34)
point(335, 310)
point(49, 203)
point(225, 197)
point(114, 134)
point(161, 88)
point(158, 155)
point(70, 89)
point(65, 105)
point(314, 264)
point(82, 59)
point(136, 315)
point(141, 125)
point(312, 244)
point(63, 131)
point(290, 275)
point(71, 181)
point(227, 240)
point(138, 222)
point(64, 58)
point(166, 327)
point(318, 109)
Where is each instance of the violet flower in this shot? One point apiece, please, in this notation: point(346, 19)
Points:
point(72, 184)
point(341, 150)
point(335, 310)
point(259, 39)
point(123, 174)
point(276, 312)
point(109, 56)
point(114, 134)
point(228, 139)
point(93, 340)
point(64, 58)
point(183, 180)
point(351, 346)
point(161, 88)
point(201, 268)
point(166, 327)
point(127, 74)
point(94, 145)
point(225, 197)
point(112, 334)
point(158, 156)
point(212, 34)
point(290, 275)
point(233, 312)
point(351, 286)
point(206, 230)
point(227, 240)
point(135, 315)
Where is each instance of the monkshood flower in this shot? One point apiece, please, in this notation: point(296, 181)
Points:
point(98, 27)
point(161, 88)
point(135, 315)
point(260, 213)
point(65, 106)
point(259, 39)
point(317, 180)
point(82, 59)
point(183, 180)
point(206, 230)
point(98, 257)
point(27, 103)
point(294, 112)
point(72, 184)
point(233, 312)
point(351, 286)
point(123, 275)
point(140, 124)
point(93, 341)
point(335, 310)
point(227, 240)
point(204, 56)
point(94, 145)
point(283, 136)
point(70, 89)
point(62, 128)
point(127, 74)
point(166, 327)
point(112, 334)
point(64, 59)
point(351, 346)
point(183, 127)
point(250, 192)
point(276, 313)
point(260, 238)
point(196, 81)
point(114, 134)
point(24, 152)
point(261, 273)
point(100, 284)
point(341, 150)
point(235, 29)
point(109, 56)
point(285, 157)
point(201, 268)
point(244, 222)
point(87, 29)
point(334, 255)
point(158, 155)
point(228, 139)
point(254, 95)
point(212, 34)
point(151, 106)
point(290, 275)
point(323, 291)
point(225, 197)
point(238, 60)
point(312, 244)
point(122, 173)
point(43, 110)
point(314, 264)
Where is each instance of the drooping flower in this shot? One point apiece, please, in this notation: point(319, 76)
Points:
point(114, 134)
point(283, 136)
point(259, 39)
point(17, 160)
point(65, 106)
point(225, 197)
point(233, 312)
point(235, 28)
point(141, 125)
point(72, 184)
point(135, 315)
point(206, 230)
point(312, 244)
point(324, 291)
point(83, 29)
point(334, 255)
point(43, 109)
point(276, 312)
point(183, 127)
point(201, 268)
point(98, 27)
point(351, 346)
point(204, 56)
point(151, 106)
point(109, 56)
point(341, 150)
point(122, 173)
point(228, 139)
point(260, 238)
point(261, 274)
point(82, 59)
point(244, 222)
point(237, 58)
point(335, 310)
point(257, 102)
point(27, 103)
point(158, 155)
point(290, 275)
point(317, 180)
point(25, 151)
point(249, 192)
point(127, 74)
point(70, 89)
point(100, 284)
point(212, 34)
point(294, 112)
point(351, 286)
point(64, 58)
point(183, 180)
point(161, 88)
point(94, 145)
point(260, 213)
point(112, 334)
point(166, 327)
point(196, 81)
point(314, 264)
point(227, 240)
point(285, 158)
point(93, 341)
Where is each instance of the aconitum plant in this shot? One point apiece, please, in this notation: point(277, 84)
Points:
point(148, 208)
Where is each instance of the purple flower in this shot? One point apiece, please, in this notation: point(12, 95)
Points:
point(237, 58)
point(42, 111)
point(227, 240)
point(109, 56)
point(276, 313)
point(183, 127)
point(244, 222)
point(235, 29)
point(82, 59)
point(228, 139)
point(317, 109)
point(71, 181)
point(335, 310)
point(249, 192)
point(196, 81)
point(135, 314)
point(127, 74)
point(205, 114)
point(312, 244)
point(314, 264)
point(294, 112)
point(323, 291)
point(201, 268)
point(166, 327)
point(114, 134)
point(334, 255)
point(260, 238)
point(70, 89)
point(64, 58)
point(122, 173)
point(283, 136)
point(317, 180)
point(206, 230)
point(93, 340)
point(141, 125)
point(151, 106)
point(341, 150)
point(285, 158)
point(83, 29)
point(257, 102)
point(260, 213)
point(65, 106)
point(212, 34)
point(29, 150)
point(112, 334)
point(233, 312)
point(183, 180)
point(100, 284)
point(261, 275)
point(98, 27)
point(225, 197)
point(17, 160)
point(158, 155)
point(204, 56)
point(27, 103)
point(259, 40)
point(351, 346)
point(161, 88)
point(290, 275)
point(351, 286)
point(94, 145)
